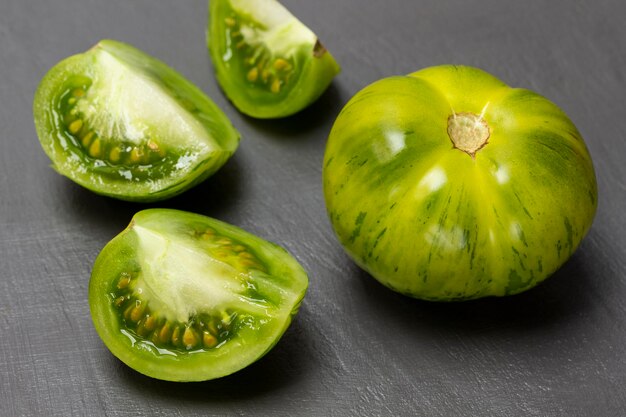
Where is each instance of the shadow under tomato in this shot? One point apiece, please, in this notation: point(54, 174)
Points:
point(557, 300)
point(213, 197)
point(319, 114)
point(280, 369)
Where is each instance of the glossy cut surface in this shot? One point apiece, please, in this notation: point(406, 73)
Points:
point(123, 124)
point(433, 221)
point(268, 63)
point(183, 297)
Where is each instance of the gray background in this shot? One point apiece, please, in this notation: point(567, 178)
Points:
point(355, 348)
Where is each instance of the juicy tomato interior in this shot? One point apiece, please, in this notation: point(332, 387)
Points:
point(267, 61)
point(123, 124)
point(183, 297)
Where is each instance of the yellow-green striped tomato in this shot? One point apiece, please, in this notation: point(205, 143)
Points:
point(447, 184)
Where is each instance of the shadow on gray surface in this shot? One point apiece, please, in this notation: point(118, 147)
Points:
point(214, 197)
point(320, 113)
point(279, 369)
point(561, 297)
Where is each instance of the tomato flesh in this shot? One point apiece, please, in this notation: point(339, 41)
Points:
point(449, 185)
point(123, 124)
point(182, 297)
point(268, 63)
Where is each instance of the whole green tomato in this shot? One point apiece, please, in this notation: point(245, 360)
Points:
point(447, 184)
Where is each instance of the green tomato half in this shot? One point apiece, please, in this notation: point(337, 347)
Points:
point(183, 297)
point(123, 124)
point(447, 184)
point(268, 63)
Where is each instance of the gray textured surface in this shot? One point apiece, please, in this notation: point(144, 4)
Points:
point(355, 348)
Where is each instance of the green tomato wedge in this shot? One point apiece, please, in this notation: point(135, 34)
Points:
point(268, 63)
point(182, 297)
point(447, 184)
point(123, 124)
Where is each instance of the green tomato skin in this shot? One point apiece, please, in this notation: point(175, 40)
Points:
point(315, 70)
point(282, 290)
point(432, 222)
point(186, 168)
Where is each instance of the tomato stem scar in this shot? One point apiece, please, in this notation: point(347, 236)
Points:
point(468, 132)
